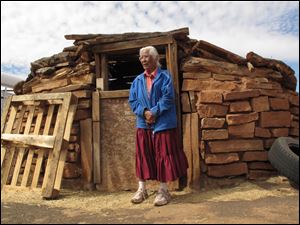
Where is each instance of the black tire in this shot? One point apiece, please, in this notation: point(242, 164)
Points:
point(284, 156)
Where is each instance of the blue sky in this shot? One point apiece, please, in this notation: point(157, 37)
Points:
point(32, 30)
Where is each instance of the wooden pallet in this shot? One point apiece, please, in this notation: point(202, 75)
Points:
point(35, 131)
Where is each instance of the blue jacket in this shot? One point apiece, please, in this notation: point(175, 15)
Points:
point(161, 101)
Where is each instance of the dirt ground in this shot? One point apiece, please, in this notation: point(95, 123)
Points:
point(272, 201)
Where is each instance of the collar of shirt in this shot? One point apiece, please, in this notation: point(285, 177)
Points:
point(151, 75)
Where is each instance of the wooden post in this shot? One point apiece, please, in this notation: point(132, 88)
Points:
point(86, 149)
point(104, 71)
point(171, 57)
point(195, 150)
point(96, 137)
point(98, 65)
point(187, 145)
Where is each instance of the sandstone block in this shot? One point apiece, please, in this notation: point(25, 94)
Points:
point(279, 103)
point(294, 100)
point(260, 104)
point(268, 142)
point(227, 170)
point(240, 106)
point(236, 95)
point(210, 97)
point(233, 119)
point(262, 132)
point(212, 122)
point(255, 156)
point(214, 134)
point(280, 132)
point(200, 85)
point(294, 110)
point(237, 145)
point(243, 131)
point(260, 166)
point(221, 158)
point(275, 119)
point(294, 132)
point(211, 110)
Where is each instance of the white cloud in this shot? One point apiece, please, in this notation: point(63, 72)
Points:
point(31, 30)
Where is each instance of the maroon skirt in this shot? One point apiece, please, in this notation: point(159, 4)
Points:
point(159, 156)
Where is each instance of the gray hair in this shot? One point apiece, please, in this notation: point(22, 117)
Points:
point(153, 52)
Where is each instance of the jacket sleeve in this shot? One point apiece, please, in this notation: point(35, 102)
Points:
point(134, 102)
point(167, 99)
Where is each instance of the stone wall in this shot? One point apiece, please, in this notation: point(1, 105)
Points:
point(240, 116)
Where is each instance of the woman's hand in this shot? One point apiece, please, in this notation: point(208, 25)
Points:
point(150, 118)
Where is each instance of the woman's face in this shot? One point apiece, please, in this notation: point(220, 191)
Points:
point(147, 61)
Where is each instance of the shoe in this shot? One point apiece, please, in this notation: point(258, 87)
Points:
point(139, 196)
point(163, 197)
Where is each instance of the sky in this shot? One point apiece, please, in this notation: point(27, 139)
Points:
point(32, 30)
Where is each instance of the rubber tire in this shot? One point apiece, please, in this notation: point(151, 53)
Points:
point(284, 159)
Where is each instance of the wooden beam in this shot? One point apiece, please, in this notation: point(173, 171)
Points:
point(30, 139)
point(52, 165)
point(132, 44)
point(114, 94)
point(42, 96)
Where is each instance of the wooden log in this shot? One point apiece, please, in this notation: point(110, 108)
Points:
point(111, 38)
point(196, 64)
point(289, 78)
point(221, 53)
point(50, 85)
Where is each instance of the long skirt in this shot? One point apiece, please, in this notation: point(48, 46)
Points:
point(159, 156)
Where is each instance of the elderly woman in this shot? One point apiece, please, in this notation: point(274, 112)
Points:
point(159, 155)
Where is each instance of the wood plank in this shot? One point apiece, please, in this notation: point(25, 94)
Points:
point(86, 150)
point(4, 113)
point(22, 150)
point(40, 96)
point(173, 60)
point(195, 150)
point(114, 94)
point(187, 145)
point(40, 157)
point(31, 151)
point(47, 192)
point(132, 44)
point(30, 140)
point(97, 152)
point(7, 157)
point(64, 151)
point(9, 125)
point(96, 106)
point(100, 83)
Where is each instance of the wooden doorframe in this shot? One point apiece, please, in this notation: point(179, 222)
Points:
point(101, 52)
